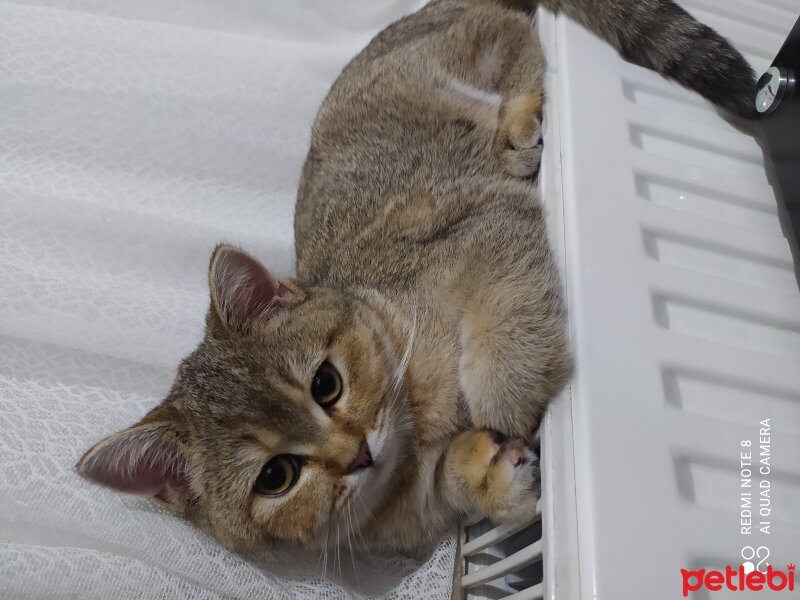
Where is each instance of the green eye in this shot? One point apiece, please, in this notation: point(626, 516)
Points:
point(326, 387)
point(277, 476)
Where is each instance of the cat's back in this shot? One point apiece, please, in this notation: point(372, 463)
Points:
point(398, 126)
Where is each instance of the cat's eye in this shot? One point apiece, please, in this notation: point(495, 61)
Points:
point(326, 387)
point(277, 476)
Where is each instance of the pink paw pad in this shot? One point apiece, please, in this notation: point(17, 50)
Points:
point(517, 454)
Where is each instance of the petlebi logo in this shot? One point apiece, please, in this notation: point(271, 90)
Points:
point(755, 573)
point(743, 578)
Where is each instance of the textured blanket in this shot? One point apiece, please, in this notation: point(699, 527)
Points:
point(134, 136)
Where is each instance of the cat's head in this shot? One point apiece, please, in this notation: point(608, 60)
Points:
point(290, 417)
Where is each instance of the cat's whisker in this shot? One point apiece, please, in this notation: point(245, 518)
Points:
point(392, 410)
point(327, 540)
point(370, 517)
point(366, 510)
point(338, 562)
point(396, 382)
point(399, 426)
point(403, 420)
point(324, 559)
point(404, 361)
point(350, 544)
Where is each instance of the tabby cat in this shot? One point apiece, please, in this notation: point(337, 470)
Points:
point(397, 378)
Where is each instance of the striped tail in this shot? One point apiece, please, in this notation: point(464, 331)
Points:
point(660, 35)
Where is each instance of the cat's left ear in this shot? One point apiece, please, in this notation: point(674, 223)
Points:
point(243, 290)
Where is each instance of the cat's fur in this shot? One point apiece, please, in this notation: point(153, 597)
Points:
point(424, 277)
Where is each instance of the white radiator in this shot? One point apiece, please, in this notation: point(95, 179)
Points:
point(685, 322)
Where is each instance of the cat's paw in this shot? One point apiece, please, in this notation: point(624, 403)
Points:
point(526, 136)
point(521, 161)
point(513, 482)
point(519, 137)
point(503, 474)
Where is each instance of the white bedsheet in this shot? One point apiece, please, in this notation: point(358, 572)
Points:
point(134, 136)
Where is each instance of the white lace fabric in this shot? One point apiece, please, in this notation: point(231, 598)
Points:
point(134, 136)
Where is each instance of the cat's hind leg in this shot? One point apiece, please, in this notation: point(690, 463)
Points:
point(500, 53)
point(518, 141)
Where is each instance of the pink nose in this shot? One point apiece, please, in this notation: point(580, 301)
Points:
point(362, 460)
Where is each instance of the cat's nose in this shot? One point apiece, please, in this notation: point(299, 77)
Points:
point(362, 460)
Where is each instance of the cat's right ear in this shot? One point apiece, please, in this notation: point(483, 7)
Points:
point(243, 291)
point(144, 459)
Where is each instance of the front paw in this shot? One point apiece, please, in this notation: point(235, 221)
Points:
point(503, 474)
point(513, 483)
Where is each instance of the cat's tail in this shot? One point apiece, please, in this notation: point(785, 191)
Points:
point(660, 35)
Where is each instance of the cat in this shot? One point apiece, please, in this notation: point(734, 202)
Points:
point(391, 388)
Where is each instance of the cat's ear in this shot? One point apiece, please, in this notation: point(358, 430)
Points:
point(144, 459)
point(242, 289)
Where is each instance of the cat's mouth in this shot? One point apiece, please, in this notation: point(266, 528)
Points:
point(361, 460)
point(370, 472)
point(380, 451)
